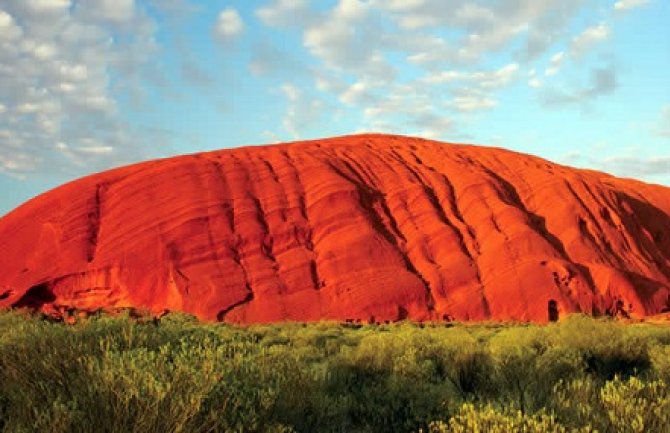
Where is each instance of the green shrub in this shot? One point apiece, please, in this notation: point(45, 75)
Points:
point(124, 374)
point(487, 419)
point(660, 361)
point(623, 406)
point(608, 348)
point(528, 363)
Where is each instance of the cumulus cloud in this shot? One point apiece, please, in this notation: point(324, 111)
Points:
point(471, 90)
point(268, 59)
point(603, 81)
point(589, 38)
point(9, 29)
point(632, 166)
point(489, 26)
point(63, 66)
point(176, 8)
point(287, 13)
point(354, 40)
point(118, 11)
point(409, 109)
point(228, 25)
point(533, 81)
point(358, 92)
point(554, 64)
point(302, 110)
point(357, 45)
point(349, 39)
point(432, 124)
point(47, 7)
point(484, 79)
point(624, 5)
point(472, 103)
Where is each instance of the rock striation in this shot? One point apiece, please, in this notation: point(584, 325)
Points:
point(365, 227)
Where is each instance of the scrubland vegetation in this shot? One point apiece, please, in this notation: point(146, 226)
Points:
point(117, 374)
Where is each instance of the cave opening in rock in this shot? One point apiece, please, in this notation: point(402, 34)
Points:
point(552, 307)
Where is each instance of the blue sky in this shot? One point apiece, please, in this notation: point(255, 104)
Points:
point(92, 84)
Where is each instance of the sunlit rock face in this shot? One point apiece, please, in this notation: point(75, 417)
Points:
point(366, 227)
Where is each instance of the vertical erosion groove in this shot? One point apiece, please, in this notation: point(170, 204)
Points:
point(267, 240)
point(228, 211)
point(94, 220)
point(368, 198)
point(536, 222)
point(462, 228)
point(307, 240)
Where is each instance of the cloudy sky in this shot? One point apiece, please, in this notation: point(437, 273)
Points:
point(86, 85)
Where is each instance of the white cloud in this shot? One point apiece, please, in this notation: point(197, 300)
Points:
point(229, 24)
point(115, 11)
point(433, 125)
point(355, 93)
point(408, 109)
point(579, 46)
point(429, 52)
point(329, 82)
point(56, 71)
point(349, 39)
point(603, 81)
point(302, 111)
point(346, 37)
point(533, 81)
point(96, 150)
point(357, 44)
point(175, 8)
point(484, 79)
point(623, 5)
point(589, 38)
point(287, 13)
point(632, 166)
point(76, 72)
point(490, 26)
point(352, 10)
point(18, 162)
point(47, 6)
point(554, 64)
point(45, 51)
point(472, 103)
point(663, 125)
point(291, 92)
point(354, 41)
point(266, 59)
point(9, 30)
point(473, 15)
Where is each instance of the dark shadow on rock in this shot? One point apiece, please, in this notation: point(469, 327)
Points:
point(35, 297)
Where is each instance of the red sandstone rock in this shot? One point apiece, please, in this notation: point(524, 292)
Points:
point(347, 228)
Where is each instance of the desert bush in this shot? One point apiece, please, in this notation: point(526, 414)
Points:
point(660, 361)
point(123, 374)
point(471, 419)
point(634, 406)
point(607, 347)
point(623, 406)
point(528, 363)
